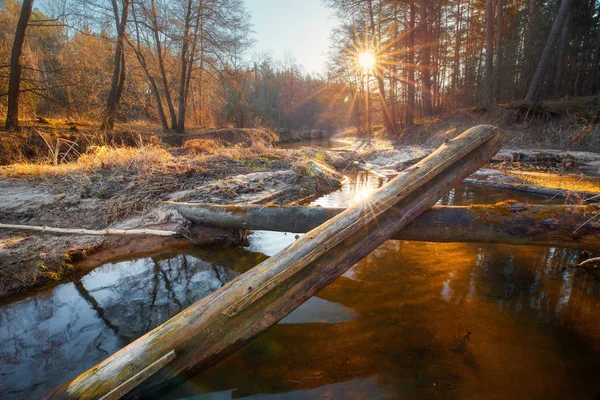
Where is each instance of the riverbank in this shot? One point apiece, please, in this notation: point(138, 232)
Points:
point(126, 187)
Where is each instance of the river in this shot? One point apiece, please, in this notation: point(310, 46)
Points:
point(411, 320)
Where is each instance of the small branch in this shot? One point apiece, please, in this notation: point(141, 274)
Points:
point(590, 263)
point(104, 232)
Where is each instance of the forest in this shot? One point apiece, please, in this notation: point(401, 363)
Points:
point(181, 64)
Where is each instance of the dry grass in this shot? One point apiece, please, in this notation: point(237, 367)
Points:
point(564, 182)
point(140, 159)
point(131, 180)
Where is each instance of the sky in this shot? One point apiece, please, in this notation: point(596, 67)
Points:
point(300, 27)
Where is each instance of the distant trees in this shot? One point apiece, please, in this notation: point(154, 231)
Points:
point(446, 54)
point(188, 65)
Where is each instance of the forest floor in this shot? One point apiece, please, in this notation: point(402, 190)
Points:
point(571, 124)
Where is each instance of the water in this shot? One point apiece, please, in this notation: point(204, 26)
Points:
point(412, 320)
point(317, 144)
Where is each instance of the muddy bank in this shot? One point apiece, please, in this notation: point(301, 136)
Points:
point(127, 190)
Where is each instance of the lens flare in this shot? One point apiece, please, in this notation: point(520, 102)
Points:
point(366, 60)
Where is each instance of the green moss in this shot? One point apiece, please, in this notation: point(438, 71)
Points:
point(491, 213)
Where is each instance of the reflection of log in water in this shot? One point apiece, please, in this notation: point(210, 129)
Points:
point(510, 223)
point(96, 306)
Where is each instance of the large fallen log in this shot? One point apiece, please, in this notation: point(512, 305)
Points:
point(576, 195)
point(224, 321)
point(510, 223)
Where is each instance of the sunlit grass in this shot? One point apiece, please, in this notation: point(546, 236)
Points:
point(140, 159)
point(565, 182)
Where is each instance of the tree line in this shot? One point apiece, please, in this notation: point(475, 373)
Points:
point(186, 62)
point(448, 54)
point(171, 62)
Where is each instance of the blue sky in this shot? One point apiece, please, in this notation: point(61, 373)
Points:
point(301, 27)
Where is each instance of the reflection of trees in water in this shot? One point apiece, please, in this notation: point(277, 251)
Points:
point(408, 338)
point(534, 279)
point(162, 289)
point(49, 338)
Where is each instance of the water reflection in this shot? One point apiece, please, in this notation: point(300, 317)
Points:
point(412, 320)
point(54, 336)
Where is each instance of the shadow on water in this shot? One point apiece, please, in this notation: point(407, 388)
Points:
point(412, 320)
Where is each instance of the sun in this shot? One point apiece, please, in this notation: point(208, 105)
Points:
point(366, 60)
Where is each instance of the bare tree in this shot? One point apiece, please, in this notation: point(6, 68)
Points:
point(14, 86)
point(118, 79)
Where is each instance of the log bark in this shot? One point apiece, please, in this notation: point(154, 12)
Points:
point(224, 321)
point(509, 223)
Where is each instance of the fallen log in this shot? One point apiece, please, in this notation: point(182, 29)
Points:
point(590, 197)
point(224, 321)
point(510, 223)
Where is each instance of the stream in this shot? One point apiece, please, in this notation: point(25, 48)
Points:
point(411, 320)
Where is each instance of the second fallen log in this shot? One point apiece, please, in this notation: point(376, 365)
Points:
point(224, 321)
point(509, 222)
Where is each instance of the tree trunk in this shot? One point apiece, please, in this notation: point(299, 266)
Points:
point(230, 317)
point(425, 62)
point(185, 57)
point(410, 101)
point(499, 50)
point(509, 223)
point(161, 66)
point(564, 36)
point(388, 119)
point(535, 87)
point(153, 87)
point(118, 78)
point(14, 83)
point(456, 74)
point(489, 54)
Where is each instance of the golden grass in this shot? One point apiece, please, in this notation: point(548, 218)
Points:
point(139, 159)
point(564, 182)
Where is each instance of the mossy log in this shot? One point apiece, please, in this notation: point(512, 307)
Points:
point(224, 321)
point(509, 222)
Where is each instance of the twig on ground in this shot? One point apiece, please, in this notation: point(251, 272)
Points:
point(104, 232)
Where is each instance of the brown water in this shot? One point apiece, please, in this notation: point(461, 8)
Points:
point(396, 325)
